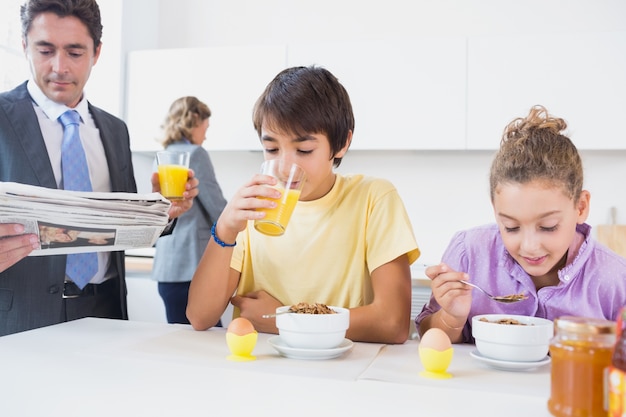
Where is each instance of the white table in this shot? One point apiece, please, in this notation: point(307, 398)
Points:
point(96, 367)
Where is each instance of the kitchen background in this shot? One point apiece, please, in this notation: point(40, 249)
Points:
point(433, 84)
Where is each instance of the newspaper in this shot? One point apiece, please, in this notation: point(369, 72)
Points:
point(74, 221)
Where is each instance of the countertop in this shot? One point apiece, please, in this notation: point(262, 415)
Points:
point(97, 367)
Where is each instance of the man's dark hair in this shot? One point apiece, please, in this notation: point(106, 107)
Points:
point(87, 11)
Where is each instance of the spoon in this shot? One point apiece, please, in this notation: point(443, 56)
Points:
point(269, 316)
point(513, 298)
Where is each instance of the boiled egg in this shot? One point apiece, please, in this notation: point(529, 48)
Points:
point(241, 338)
point(435, 339)
point(435, 351)
point(240, 326)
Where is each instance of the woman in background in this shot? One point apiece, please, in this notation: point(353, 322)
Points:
point(178, 254)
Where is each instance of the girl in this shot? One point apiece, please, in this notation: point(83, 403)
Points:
point(540, 244)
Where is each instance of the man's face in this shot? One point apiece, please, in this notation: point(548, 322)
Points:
point(60, 53)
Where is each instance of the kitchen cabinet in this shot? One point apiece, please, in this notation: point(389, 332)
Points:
point(423, 93)
point(406, 94)
point(580, 77)
point(227, 79)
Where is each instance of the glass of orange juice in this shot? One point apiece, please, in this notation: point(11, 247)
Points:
point(291, 179)
point(173, 167)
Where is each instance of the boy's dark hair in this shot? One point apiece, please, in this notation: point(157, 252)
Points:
point(305, 100)
point(87, 11)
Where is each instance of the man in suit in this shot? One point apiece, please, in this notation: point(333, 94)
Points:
point(61, 40)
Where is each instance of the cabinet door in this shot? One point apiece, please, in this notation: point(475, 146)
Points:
point(227, 79)
point(405, 94)
point(579, 77)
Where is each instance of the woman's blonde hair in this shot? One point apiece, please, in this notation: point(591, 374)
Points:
point(533, 148)
point(185, 113)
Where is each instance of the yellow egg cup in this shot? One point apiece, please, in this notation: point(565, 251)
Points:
point(436, 362)
point(241, 347)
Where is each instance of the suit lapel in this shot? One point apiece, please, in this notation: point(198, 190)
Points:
point(30, 138)
point(118, 171)
point(19, 108)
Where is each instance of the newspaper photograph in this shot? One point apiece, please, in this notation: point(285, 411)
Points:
point(74, 222)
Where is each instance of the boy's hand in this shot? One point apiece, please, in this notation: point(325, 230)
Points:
point(245, 205)
point(254, 305)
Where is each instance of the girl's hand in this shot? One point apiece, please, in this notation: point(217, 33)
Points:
point(453, 296)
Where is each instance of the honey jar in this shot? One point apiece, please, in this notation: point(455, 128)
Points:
point(581, 352)
point(617, 372)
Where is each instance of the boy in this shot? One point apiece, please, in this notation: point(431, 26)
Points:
point(349, 242)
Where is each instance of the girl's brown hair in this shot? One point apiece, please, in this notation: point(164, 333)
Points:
point(533, 148)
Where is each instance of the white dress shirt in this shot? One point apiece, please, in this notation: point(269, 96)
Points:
point(52, 130)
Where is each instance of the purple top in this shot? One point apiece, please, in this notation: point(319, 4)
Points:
point(593, 284)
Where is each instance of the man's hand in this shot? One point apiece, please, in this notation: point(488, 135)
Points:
point(14, 245)
point(179, 207)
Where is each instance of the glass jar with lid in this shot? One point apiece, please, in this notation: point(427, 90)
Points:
point(617, 373)
point(581, 352)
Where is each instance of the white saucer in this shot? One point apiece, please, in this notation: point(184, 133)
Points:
point(509, 365)
point(309, 354)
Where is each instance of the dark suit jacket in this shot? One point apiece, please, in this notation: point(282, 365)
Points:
point(31, 291)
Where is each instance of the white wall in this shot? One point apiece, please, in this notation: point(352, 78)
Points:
point(443, 191)
point(197, 23)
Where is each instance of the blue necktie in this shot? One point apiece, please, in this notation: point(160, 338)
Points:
point(80, 267)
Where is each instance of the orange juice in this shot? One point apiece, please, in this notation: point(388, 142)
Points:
point(172, 179)
point(275, 221)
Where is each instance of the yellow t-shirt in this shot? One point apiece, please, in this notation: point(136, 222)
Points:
point(330, 247)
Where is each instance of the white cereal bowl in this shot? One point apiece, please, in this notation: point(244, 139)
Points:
point(528, 341)
point(312, 331)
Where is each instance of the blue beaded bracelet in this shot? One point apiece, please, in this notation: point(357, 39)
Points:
point(217, 239)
